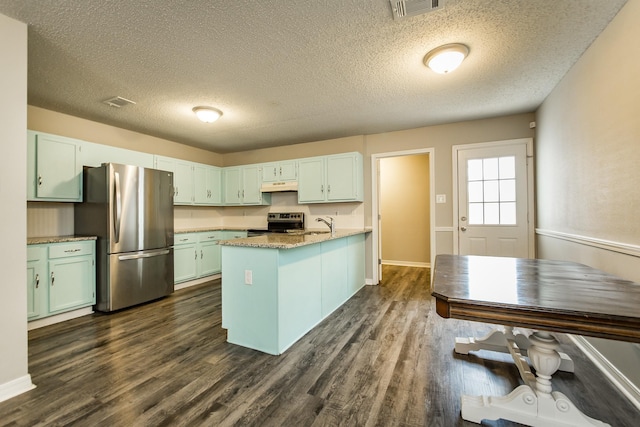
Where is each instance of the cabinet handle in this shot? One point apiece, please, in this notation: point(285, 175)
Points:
point(37, 280)
point(201, 254)
point(196, 252)
point(322, 189)
point(39, 180)
point(274, 171)
point(329, 188)
point(184, 240)
point(73, 250)
point(177, 191)
point(280, 170)
point(243, 194)
point(53, 278)
point(238, 194)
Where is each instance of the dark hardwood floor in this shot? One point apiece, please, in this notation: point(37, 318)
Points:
point(384, 358)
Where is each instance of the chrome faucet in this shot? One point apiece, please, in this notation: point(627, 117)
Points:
point(331, 224)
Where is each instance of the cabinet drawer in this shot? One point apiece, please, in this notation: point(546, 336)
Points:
point(34, 253)
point(184, 239)
point(208, 237)
point(62, 250)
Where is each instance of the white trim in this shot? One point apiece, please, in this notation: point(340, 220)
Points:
point(530, 186)
point(444, 230)
point(195, 282)
point(623, 248)
point(15, 387)
point(406, 263)
point(619, 380)
point(375, 232)
point(62, 317)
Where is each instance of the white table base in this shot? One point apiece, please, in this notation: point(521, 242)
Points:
point(533, 404)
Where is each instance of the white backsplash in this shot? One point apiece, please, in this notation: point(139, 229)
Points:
point(56, 219)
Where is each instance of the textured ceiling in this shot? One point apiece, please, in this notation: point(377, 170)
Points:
point(285, 72)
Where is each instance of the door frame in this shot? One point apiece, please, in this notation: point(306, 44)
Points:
point(530, 188)
point(375, 207)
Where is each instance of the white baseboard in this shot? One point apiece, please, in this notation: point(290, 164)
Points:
point(39, 323)
point(15, 387)
point(406, 263)
point(619, 380)
point(195, 282)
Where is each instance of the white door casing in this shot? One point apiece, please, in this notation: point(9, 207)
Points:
point(494, 198)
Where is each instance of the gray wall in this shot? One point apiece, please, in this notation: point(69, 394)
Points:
point(588, 166)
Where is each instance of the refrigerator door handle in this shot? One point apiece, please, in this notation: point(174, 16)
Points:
point(143, 255)
point(117, 205)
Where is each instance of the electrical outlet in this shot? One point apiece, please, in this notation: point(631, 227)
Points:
point(248, 277)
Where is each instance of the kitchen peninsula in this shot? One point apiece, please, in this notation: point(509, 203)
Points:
point(277, 287)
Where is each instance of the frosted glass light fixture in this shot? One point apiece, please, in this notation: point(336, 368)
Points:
point(207, 114)
point(446, 58)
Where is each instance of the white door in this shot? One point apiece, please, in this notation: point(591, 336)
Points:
point(493, 201)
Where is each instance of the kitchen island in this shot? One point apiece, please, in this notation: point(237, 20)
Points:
point(277, 287)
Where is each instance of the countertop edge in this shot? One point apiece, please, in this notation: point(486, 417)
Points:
point(57, 239)
point(291, 242)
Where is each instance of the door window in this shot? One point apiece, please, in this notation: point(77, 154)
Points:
point(491, 191)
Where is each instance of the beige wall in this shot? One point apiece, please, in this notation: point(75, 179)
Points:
point(404, 209)
point(588, 173)
point(14, 377)
point(55, 123)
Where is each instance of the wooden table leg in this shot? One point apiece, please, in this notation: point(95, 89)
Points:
point(533, 404)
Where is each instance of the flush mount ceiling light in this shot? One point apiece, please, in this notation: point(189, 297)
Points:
point(207, 114)
point(447, 58)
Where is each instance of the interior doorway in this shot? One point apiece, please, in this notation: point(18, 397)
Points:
point(403, 209)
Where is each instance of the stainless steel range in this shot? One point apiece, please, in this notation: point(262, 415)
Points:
point(281, 222)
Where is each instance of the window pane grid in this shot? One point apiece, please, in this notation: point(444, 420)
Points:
point(491, 191)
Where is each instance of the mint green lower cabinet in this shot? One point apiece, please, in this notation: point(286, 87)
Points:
point(68, 278)
point(272, 297)
point(185, 258)
point(60, 277)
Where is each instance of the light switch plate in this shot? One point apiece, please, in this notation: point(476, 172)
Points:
point(441, 198)
point(248, 277)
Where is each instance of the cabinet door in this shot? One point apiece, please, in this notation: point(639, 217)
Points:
point(214, 183)
point(71, 283)
point(341, 178)
point(185, 258)
point(58, 171)
point(251, 181)
point(200, 185)
point(183, 183)
point(311, 180)
point(231, 183)
point(270, 172)
point(210, 259)
point(288, 171)
point(35, 283)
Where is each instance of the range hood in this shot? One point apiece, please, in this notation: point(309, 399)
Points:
point(273, 187)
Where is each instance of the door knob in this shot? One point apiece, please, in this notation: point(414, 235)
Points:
point(463, 228)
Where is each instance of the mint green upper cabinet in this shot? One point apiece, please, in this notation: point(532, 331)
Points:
point(182, 178)
point(207, 185)
point(54, 168)
point(280, 171)
point(344, 177)
point(311, 180)
point(232, 184)
point(335, 178)
point(242, 186)
point(96, 154)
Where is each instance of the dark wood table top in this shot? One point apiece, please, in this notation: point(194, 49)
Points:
point(547, 295)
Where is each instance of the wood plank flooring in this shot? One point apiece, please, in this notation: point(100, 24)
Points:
point(385, 358)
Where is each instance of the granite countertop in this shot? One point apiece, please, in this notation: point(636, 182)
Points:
point(290, 241)
point(57, 239)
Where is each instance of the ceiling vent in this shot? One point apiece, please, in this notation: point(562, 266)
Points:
point(406, 8)
point(118, 102)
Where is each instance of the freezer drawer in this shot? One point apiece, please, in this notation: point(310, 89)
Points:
point(136, 277)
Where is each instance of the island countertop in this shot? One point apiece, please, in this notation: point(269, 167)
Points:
point(289, 241)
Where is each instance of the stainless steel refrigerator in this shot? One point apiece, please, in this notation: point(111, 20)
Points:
point(130, 209)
